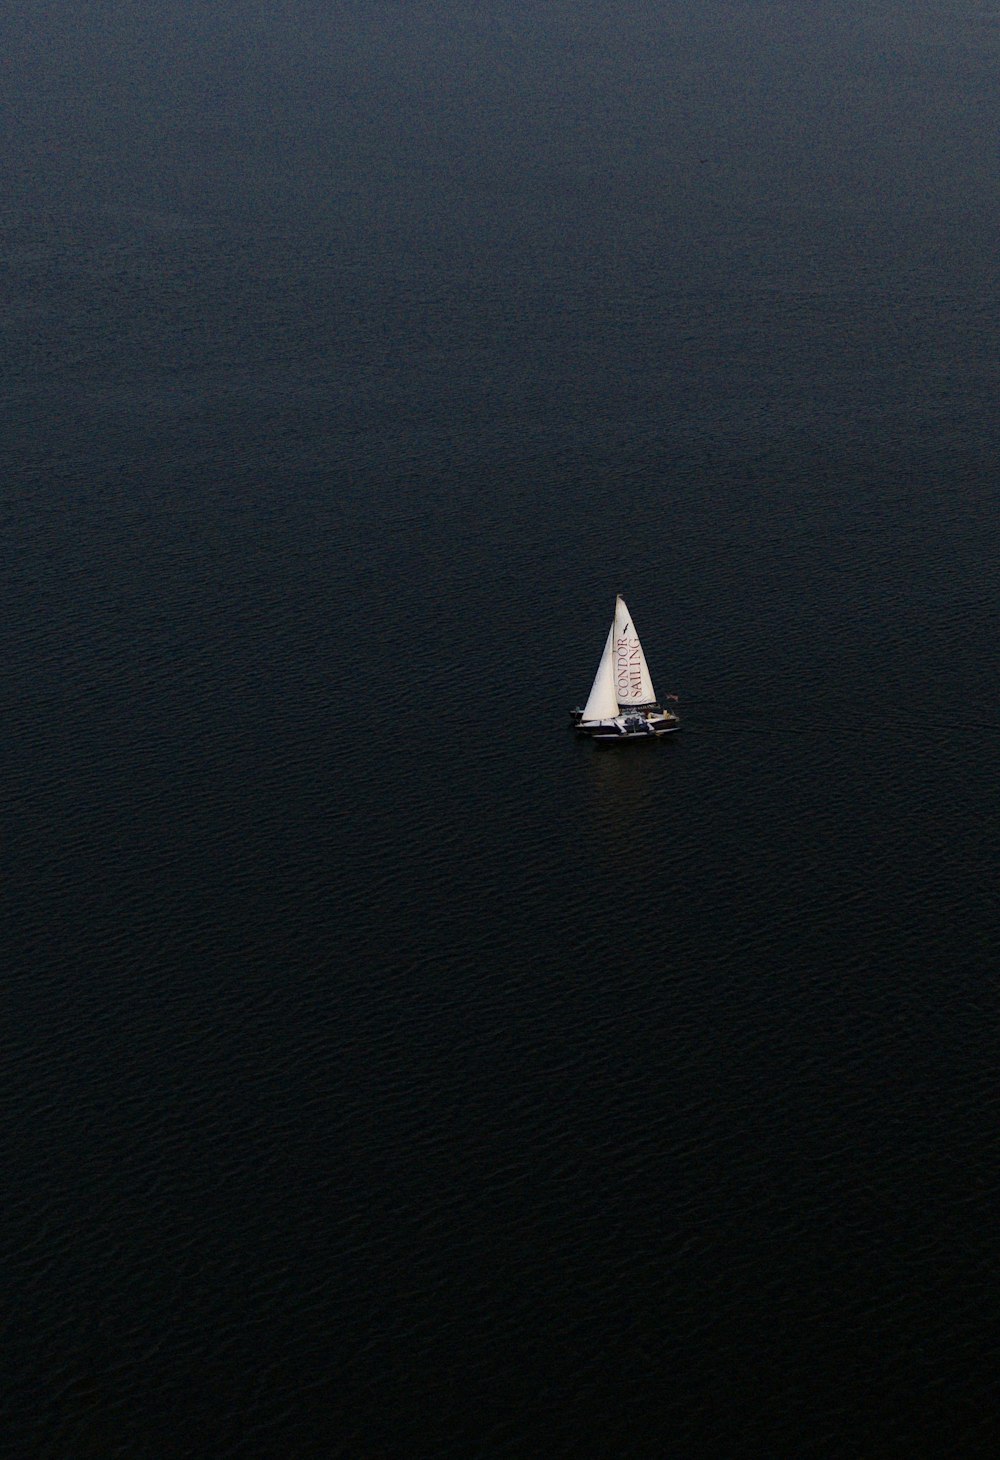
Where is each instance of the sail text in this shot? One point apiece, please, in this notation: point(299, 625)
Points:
point(628, 669)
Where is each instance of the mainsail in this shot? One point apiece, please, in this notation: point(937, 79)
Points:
point(622, 680)
point(633, 685)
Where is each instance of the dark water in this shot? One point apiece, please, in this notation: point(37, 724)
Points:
point(387, 1073)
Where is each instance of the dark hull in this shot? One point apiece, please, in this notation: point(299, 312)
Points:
point(615, 737)
point(652, 724)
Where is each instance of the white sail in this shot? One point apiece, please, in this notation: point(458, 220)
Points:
point(602, 704)
point(630, 673)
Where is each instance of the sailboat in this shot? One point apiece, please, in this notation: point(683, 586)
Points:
point(622, 703)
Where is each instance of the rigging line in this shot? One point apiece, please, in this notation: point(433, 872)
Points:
point(891, 715)
point(733, 728)
point(850, 723)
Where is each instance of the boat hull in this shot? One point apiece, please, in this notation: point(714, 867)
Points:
point(650, 725)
